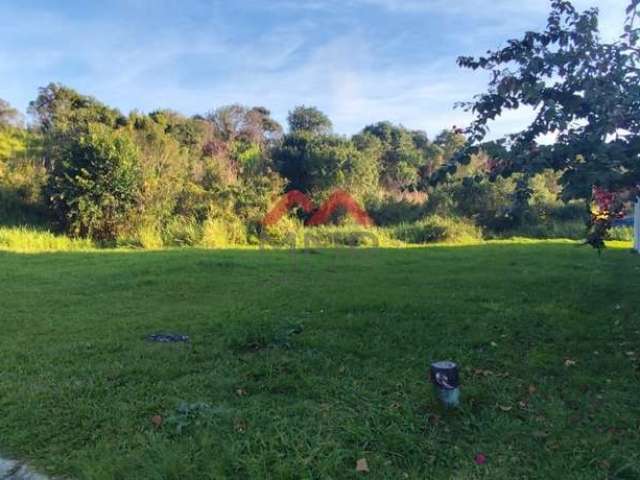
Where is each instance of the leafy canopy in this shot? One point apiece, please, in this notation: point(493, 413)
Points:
point(584, 93)
point(309, 119)
point(96, 184)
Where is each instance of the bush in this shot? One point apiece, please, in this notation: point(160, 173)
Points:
point(218, 233)
point(434, 229)
point(389, 211)
point(574, 229)
point(182, 232)
point(288, 231)
point(22, 178)
point(95, 184)
point(345, 236)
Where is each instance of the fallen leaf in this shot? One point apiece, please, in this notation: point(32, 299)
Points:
point(362, 465)
point(480, 459)
point(240, 425)
point(532, 389)
point(156, 420)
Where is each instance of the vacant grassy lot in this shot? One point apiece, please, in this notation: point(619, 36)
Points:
point(300, 363)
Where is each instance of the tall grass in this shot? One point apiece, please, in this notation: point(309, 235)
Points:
point(434, 229)
point(623, 234)
point(30, 240)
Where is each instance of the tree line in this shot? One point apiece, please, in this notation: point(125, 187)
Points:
point(89, 170)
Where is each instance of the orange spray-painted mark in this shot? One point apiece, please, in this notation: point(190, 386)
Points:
point(338, 199)
point(286, 203)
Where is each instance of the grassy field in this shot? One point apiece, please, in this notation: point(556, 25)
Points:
point(302, 362)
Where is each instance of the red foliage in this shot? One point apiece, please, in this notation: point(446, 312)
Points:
point(606, 205)
point(286, 203)
point(337, 199)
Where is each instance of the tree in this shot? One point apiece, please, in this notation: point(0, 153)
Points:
point(584, 92)
point(399, 152)
point(61, 114)
point(164, 165)
point(320, 164)
point(9, 116)
point(59, 109)
point(252, 125)
point(309, 119)
point(96, 184)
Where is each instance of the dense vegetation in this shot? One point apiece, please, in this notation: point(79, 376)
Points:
point(86, 170)
point(584, 93)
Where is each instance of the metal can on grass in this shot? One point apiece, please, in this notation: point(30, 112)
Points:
point(445, 377)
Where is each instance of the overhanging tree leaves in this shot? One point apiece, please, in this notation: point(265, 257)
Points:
point(585, 92)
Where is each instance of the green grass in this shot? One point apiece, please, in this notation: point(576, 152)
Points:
point(303, 362)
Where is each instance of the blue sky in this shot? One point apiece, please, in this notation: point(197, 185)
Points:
point(360, 61)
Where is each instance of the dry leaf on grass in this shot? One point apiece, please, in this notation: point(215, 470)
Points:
point(156, 420)
point(362, 465)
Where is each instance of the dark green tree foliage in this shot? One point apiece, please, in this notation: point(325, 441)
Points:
point(188, 132)
point(318, 164)
point(59, 109)
point(62, 114)
point(584, 91)
point(400, 153)
point(95, 186)
point(309, 119)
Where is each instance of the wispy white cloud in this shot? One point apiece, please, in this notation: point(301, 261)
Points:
point(356, 71)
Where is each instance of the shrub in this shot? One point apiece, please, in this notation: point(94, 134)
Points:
point(22, 178)
point(574, 229)
point(434, 229)
point(95, 184)
point(182, 232)
point(217, 232)
point(389, 211)
point(288, 231)
point(345, 236)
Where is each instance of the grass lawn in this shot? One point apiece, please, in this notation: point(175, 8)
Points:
point(301, 363)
